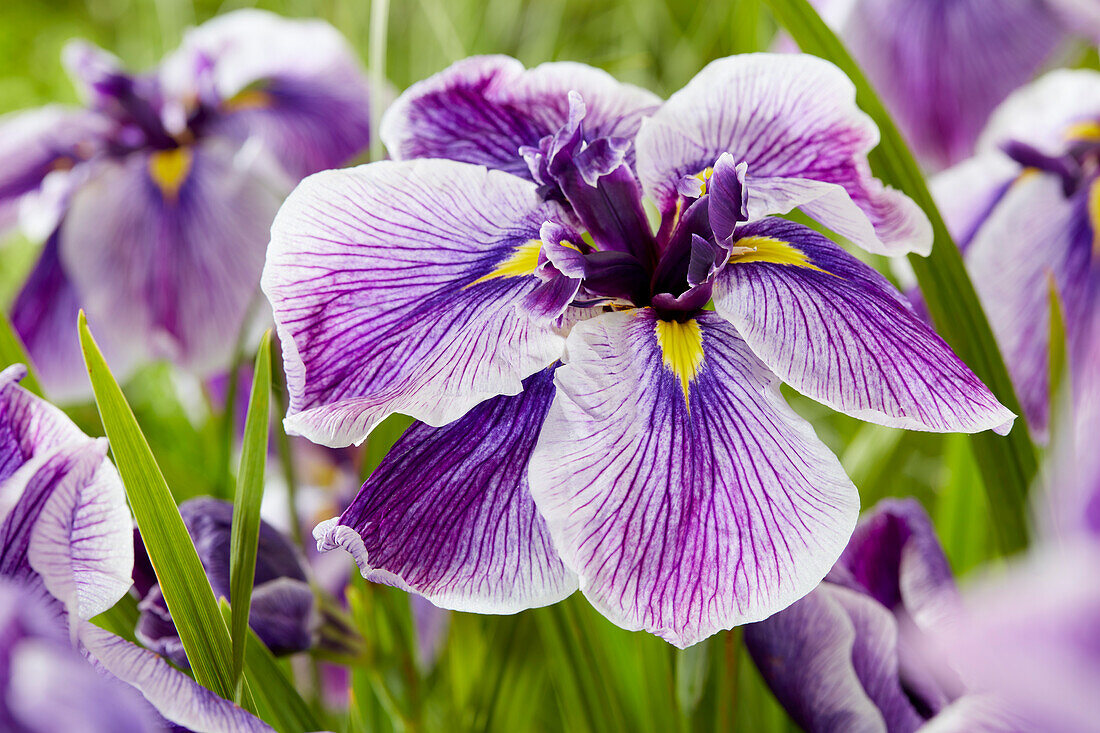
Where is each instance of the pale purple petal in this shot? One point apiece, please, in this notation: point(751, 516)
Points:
point(1082, 17)
point(431, 624)
point(790, 119)
point(169, 268)
point(175, 695)
point(684, 520)
point(831, 659)
point(53, 689)
point(837, 331)
point(1031, 636)
point(967, 193)
point(485, 108)
point(308, 102)
point(1042, 113)
point(36, 142)
point(448, 513)
point(1034, 234)
point(942, 67)
point(44, 315)
point(388, 295)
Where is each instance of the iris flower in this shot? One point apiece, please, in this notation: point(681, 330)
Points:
point(838, 660)
point(155, 199)
point(1026, 211)
point(66, 541)
point(585, 419)
point(942, 66)
point(282, 610)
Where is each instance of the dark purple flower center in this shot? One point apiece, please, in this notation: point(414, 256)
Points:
point(624, 262)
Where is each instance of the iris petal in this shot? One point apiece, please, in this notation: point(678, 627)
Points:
point(378, 278)
point(794, 122)
point(448, 513)
point(684, 513)
point(838, 332)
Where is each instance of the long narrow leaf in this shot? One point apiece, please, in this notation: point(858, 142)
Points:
point(180, 573)
point(277, 702)
point(13, 352)
point(245, 535)
point(1008, 464)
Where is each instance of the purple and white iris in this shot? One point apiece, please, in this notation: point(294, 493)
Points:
point(66, 544)
point(942, 66)
point(586, 421)
point(1026, 212)
point(155, 199)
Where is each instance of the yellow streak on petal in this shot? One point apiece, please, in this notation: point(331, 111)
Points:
point(1094, 215)
point(704, 176)
point(769, 249)
point(169, 169)
point(248, 99)
point(1084, 131)
point(523, 261)
point(681, 350)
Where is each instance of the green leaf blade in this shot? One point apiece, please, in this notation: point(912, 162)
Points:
point(277, 701)
point(245, 533)
point(12, 351)
point(179, 571)
point(1008, 464)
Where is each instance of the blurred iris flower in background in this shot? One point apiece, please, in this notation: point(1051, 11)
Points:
point(657, 467)
point(1026, 212)
point(155, 199)
point(942, 66)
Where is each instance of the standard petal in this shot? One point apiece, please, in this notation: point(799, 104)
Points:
point(175, 695)
point(309, 103)
point(1033, 236)
point(837, 331)
point(794, 122)
point(678, 484)
point(484, 109)
point(943, 67)
point(1043, 113)
point(831, 660)
point(165, 250)
point(400, 287)
point(448, 514)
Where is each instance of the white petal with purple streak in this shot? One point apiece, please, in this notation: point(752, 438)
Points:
point(175, 695)
point(837, 331)
point(1033, 235)
point(393, 293)
point(787, 117)
point(684, 520)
